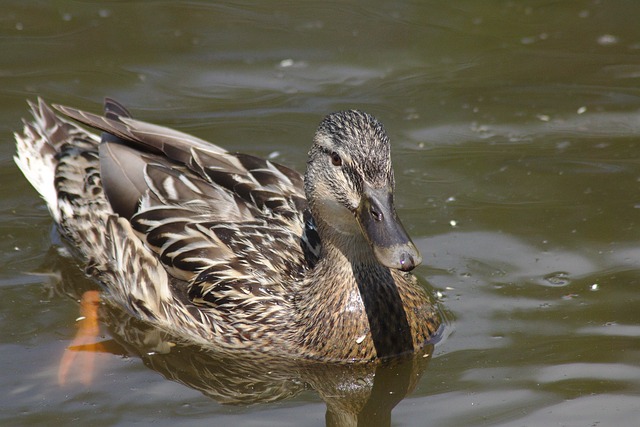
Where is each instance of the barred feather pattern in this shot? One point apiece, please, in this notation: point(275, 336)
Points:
point(235, 245)
point(38, 146)
point(177, 264)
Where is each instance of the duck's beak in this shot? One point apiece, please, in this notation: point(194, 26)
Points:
point(381, 226)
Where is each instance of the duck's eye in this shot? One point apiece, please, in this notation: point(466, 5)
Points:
point(335, 159)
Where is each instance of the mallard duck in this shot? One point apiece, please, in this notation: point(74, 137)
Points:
point(232, 251)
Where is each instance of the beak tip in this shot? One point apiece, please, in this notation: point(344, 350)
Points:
point(409, 261)
point(402, 257)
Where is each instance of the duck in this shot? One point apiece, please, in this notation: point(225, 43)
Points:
point(231, 251)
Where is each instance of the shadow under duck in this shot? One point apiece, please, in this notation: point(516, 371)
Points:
point(230, 250)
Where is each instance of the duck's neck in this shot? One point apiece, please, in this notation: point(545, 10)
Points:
point(350, 307)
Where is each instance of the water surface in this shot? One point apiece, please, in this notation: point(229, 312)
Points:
point(515, 139)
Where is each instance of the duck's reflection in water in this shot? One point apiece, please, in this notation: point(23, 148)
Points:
point(355, 394)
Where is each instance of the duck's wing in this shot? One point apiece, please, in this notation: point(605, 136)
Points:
point(130, 146)
point(218, 221)
point(118, 122)
point(226, 233)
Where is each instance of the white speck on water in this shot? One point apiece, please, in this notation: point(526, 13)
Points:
point(595, 287)
point(286, 63)
point(543, 117)
point(291, 63)
point(451, 199)
point(273, 155)
point(453, 223)
point(582, 110)
point(607, 40)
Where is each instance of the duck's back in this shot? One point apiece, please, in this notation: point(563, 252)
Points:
point(165, 219)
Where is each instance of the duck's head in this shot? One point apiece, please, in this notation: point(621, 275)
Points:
point(349, 185)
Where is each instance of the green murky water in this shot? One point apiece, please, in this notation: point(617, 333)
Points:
point(515, 130)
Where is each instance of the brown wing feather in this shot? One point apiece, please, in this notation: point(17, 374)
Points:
point(174, 144)
point(218, 221)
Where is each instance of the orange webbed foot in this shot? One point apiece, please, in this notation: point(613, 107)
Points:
point(82, 351)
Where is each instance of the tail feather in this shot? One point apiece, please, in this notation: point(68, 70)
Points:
point(36, 155)
point(61, 160)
